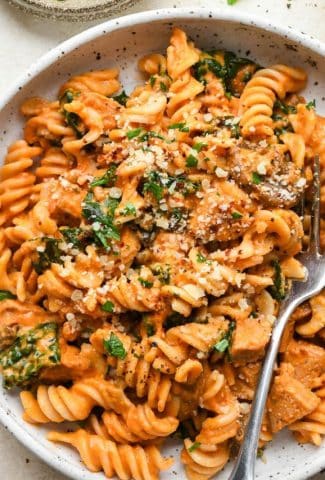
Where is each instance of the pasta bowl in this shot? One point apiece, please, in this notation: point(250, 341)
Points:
point(121, 42)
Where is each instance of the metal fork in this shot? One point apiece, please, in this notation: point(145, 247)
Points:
point(300, 291)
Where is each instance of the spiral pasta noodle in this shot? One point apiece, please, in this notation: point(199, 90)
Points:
point(147, 240)
point(125, 461)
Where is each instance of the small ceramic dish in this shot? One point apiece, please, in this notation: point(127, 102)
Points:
point(122, 42)
point(73, 10)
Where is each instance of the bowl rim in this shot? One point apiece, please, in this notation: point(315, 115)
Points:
point(56, 461)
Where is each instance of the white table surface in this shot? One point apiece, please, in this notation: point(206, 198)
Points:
point(23, 39)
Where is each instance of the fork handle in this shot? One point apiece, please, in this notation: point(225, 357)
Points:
point(244, 468)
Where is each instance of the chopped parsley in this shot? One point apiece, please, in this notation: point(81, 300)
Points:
point(236, 215)
point(277, 290)
point(133, 133)
point(256, 179)
point(145, 283)
point(224, 343)
point(115, 347)
point(182, 127)
point(122, 98)
point(311, 104)
point(108, 306)
point(191, 161)
point(67, 97)
point(6, 295)
point(157, 183)
point(152, 80)
point(50, 254)
point(106, 180)
point(194, 445)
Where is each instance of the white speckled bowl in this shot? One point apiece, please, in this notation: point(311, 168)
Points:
point(122, 41)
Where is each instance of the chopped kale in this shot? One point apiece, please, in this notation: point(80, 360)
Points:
point(191, 161)
point(256, 179)
point(72, 235)
point(50, 254)
point(122, 98)
point(224, 343)
point(201, 258)
point(114, 347)
point(5, 295)
point(198, 146)
point(108, 306)
point(278, 289)
point(73, 120)
point(106, 180)
point(284, 108)
point(311, 104)
point(145, 283)
point(129, 209)
point(103, 228)
point(175, 319)
point(150, 328)
point(31, 351)
point(162, 272)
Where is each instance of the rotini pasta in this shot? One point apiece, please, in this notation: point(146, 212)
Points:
point(146, 242)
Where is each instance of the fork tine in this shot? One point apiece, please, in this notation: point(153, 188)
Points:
point(315, 210)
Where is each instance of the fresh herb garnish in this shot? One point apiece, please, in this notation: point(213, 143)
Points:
point(108, 306)
point(73, 120)
point(195, 445)
point(152, 80)
point(145, 283)
point(106, 180)
point(150, 328)
point(285, 108)
point(277, 290)
point(103, 228)
point(31, 351)
point(6, 295)
point(133, 133)
point(163, 87)
point(256, 179)
point(129, 209)
point(201, 258)
point(198, 146)
point(122, 98)
point(154, 186)
point(150, 134)
point(115, 347)
point(182, 127)
point(311, 104)
point(71, 235)
point(175, 319)
point(191, 161)
point(225, 342)
point(162, 272)
point(50, 254)
point(236, 215)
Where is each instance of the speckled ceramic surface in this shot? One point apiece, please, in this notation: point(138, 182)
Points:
point(74, 10)
point(122, 41)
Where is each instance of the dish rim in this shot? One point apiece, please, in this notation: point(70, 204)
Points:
point(58, 462)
